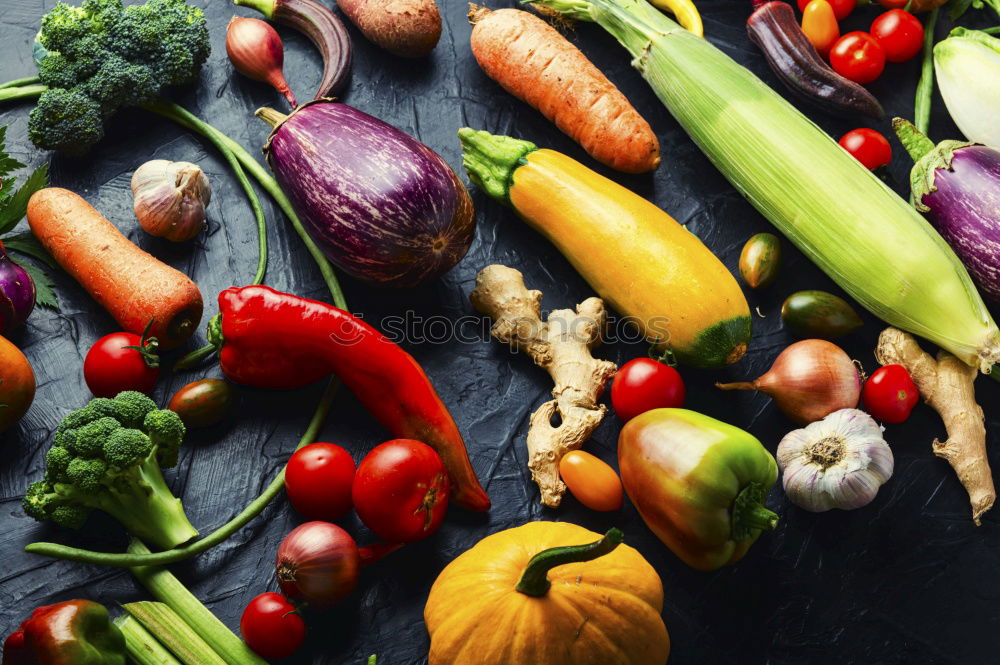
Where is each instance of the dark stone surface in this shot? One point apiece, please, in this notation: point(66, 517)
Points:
point(906, 580)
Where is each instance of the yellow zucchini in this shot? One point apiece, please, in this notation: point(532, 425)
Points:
point(633, 254)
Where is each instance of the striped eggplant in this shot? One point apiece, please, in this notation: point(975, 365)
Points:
point(956, 184)
point(382, 205)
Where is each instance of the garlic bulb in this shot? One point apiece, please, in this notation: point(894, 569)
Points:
point(170, 198)
point(837, 462)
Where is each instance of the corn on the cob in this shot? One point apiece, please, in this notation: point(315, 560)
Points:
point(870, 241)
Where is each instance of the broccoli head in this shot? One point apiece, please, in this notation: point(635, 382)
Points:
point(101, 56)
point(108, 456)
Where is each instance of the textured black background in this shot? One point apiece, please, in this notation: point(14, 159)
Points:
point(907, 579)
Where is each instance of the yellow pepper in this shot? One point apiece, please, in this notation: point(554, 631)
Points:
point(685, 12)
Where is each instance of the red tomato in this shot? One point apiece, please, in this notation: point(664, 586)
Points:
point(272, 627)
point(841, 8)
point(643, 384)
point(591, 481)
point(889, 394)
point(894, 4)
point(868, 147)
point(899, 33)
point(858, 57)
point(401, 491)
point(121, 361)
point(318, 480)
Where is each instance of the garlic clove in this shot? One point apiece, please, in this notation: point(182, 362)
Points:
point(838, 462)
point(169, 199)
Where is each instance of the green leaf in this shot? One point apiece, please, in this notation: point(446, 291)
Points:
point(12, 210)
point(26, 243)
point(45, 293)
point(7, 163)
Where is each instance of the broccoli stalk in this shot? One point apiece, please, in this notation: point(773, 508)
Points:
point(101, 56)
point(107, 456)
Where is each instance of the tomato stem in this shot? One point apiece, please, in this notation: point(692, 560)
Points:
point(535, 578)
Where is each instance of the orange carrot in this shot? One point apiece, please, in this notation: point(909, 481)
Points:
point(536, 64)
point(133, 286)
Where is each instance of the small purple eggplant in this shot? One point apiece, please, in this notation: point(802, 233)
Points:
point(17, 293)
point(382, 205)
point(957, 187)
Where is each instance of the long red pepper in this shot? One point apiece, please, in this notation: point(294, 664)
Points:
point(269, 339)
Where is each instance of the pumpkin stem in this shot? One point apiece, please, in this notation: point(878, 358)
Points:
point(749, 513)
point(535, 578)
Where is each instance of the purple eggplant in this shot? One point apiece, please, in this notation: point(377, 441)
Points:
point(957, 186)
point(17, 293)
point(382, 205)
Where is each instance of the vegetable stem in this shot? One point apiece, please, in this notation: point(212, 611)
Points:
point(270, 116)
point(10, 94)
point(265, 7)
point(171, 631)
point(535, 578)
point(916, 144)
point(925, 87)
point(749, 513)
point(166, 588)
point(18, 83)
point(132, 558)
point(142, 647)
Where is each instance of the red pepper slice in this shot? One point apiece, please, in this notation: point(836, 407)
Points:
point(277, 340)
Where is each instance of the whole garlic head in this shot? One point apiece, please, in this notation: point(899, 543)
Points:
point(170, 198)
point(837, 462)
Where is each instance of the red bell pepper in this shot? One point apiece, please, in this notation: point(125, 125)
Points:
point(75, 632)
point(269, 339)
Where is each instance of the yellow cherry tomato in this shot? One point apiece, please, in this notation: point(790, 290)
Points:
point(592, 482)
point(820, 25)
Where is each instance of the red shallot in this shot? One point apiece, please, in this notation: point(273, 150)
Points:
point(808, 381)
point(255, 49)
point(318, 562)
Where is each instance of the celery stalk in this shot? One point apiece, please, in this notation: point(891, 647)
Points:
point(143, 648)
point(173, 633)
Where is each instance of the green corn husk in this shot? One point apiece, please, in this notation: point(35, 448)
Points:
point(854, 227)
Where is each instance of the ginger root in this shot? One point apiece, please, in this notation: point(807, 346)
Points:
point(561, 346)
point(946, 386)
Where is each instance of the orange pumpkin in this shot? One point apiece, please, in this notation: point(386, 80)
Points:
point(546, 593)
point(17, 384)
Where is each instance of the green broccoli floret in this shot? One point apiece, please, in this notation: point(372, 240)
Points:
point(101, 56)
point(65, 120)
point(108, 456)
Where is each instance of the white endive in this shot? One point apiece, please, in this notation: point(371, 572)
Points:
point(837, 462)
point(968, 72)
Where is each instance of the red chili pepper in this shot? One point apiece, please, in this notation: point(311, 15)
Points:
point(75, 632)
point(269, 339)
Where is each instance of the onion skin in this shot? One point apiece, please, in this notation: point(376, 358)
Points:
point(17, 293)
point(808, 381)
point(382, 205)
point(256, 51)
point(318, 562)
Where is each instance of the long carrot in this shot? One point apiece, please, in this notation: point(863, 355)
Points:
point(536, 64)
point(133, 286)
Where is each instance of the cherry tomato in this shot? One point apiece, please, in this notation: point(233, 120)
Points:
point(591, 480)
point(272, 627)
point(868, 147)
point(841, 8)
point(121, 361)
point(318, 480)
point(202, 403)
point(643, 384)
point(899, 33)
point(858, 57)
point(401, 491)
point(820, 25)
point(889, 394)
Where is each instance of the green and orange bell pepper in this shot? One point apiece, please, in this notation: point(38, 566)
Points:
point(74, 632)
point(698, 483)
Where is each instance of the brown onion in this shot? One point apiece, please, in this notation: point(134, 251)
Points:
point(318, 562)
point(808, 381)
point(255, 49)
